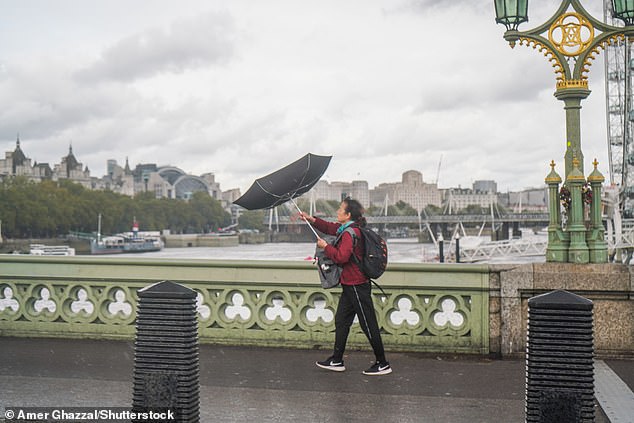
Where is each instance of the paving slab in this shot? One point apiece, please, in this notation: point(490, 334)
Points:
point(272, 385)
point(614, 396)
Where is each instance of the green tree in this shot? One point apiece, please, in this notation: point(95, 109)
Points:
point(252, 219)
point(473, 209)
point(432, 210)
point(51, 208)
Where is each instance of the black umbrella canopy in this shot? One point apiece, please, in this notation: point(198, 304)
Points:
point(285, 184)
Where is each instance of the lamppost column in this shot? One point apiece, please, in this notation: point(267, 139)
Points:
point(572, 105)
point(570, 39)
point(596, 234)
point(578, 249)
point(557, 250)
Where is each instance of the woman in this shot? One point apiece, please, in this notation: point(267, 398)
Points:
point(356, 298)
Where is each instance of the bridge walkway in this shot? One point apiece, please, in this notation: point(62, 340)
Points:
point(276, 385)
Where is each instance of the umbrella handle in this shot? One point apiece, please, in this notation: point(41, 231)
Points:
point(307, 222)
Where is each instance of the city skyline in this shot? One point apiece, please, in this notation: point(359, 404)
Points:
point(241, 88)
point(171, 181)
point(418, 174)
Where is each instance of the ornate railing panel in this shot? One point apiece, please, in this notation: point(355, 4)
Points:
point(440, 308)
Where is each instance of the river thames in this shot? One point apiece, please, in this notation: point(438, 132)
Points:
point(405, 250)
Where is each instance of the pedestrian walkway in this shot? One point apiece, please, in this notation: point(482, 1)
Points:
point(614, 396)
point(276, 385)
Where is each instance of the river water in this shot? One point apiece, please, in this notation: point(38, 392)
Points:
point(406, 250)
point(400, 251)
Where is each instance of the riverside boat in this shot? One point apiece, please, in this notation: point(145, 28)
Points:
point(128, 242)
point(51, 250)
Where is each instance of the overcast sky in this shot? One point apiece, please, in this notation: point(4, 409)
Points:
point(240, 88)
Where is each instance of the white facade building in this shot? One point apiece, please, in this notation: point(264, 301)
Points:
point(528, 200)
point(337, 191)
point(411, 190)
point(16, 163)
point(70, 168)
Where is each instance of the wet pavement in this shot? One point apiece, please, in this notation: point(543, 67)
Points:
point(277, 385)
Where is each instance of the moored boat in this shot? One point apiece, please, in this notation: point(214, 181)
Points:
point(129, 242)
point(51, 250)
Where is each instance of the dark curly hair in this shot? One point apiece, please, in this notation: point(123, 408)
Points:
point(356, 211)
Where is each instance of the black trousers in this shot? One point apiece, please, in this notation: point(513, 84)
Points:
point(357, 300)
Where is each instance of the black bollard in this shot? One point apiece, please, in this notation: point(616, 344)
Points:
point(457, 248)
point(560, 371)
point(166, 371)
point(441, 249)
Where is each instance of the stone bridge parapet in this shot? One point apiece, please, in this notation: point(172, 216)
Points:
point(440, 308)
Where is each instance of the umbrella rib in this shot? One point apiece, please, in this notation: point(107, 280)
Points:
point(281, 199)
point(304, 176)
point(296, 187)
point(309, 183)
point(291, 194)
point(268, 192)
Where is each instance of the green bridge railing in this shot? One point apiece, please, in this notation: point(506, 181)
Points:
point(435, 308)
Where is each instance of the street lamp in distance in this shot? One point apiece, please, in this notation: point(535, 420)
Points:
point(624, 10)
point(570, 40)
point(511, 13)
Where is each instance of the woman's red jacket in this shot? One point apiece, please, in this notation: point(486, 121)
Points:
point(341, 253)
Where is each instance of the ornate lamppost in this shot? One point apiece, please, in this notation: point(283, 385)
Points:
point(570, 40)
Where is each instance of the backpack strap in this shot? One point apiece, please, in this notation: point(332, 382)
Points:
point(352, 233)
point(378, 286)
point(354, 236)
point(356, 259)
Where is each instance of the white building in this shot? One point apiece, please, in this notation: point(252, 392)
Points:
point(164, 181)
point(70, 168)
point(337, 191)
point(485, 186)
point(528, 200)
point(119, 179)
point(411, 190)
point(15, 163)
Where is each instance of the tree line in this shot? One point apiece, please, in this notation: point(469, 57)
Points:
point(54, 208)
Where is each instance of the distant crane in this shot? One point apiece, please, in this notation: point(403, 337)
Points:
point(438, 171)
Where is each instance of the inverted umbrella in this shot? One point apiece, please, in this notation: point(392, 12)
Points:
point(285, 184)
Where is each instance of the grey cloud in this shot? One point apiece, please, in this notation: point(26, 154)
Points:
point(194, 43)
point(97, 118)
point(509, 85)
point(45, 107)
point(426, 6)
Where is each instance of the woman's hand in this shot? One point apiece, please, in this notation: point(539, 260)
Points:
point(306, 217)
point(321, 243)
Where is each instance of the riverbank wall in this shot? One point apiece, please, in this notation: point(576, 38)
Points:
point(82, 246)
point(199, 240)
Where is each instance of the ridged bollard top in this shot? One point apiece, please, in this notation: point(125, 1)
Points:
point(560, 300)
point(167, 289)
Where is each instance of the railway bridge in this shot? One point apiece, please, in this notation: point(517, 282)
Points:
point(502, 226)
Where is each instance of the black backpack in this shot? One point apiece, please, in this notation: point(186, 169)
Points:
point(374, 260)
